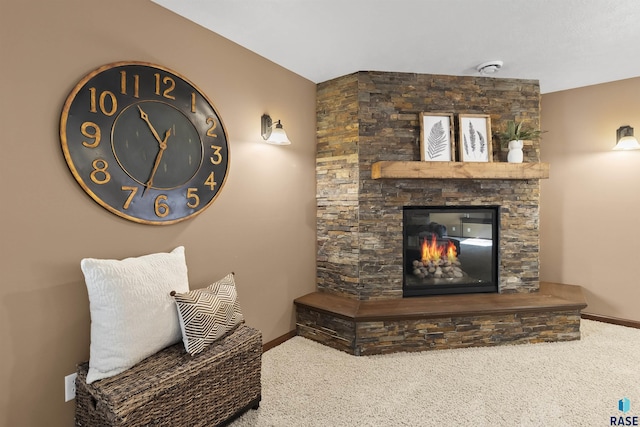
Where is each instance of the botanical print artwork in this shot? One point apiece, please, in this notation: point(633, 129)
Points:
point(476, 145)
point(436, 141)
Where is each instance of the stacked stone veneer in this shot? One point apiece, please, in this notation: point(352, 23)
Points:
point(464, 331)
point(367, 117)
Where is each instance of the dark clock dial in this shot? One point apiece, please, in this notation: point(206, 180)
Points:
point(144, 142)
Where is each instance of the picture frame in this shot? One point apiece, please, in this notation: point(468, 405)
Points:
point(474, 141)
point(437, 142)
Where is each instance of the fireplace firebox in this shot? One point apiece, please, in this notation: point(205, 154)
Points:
point(450, 249)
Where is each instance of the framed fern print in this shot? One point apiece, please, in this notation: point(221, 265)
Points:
point(474, 143)
point(436, 137)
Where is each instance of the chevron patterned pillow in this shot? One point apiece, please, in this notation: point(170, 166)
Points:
point(206, 315)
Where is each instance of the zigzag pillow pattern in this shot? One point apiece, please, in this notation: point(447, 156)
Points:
point(206, 315)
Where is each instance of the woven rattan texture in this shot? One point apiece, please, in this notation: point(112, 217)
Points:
point(172, 388)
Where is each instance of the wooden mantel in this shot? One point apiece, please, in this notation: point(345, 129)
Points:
point(459, 170)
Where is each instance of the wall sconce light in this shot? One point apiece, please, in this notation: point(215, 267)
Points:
point(626, 140)
point(273, 134)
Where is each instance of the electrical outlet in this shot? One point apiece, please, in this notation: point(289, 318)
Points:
point(70, 387)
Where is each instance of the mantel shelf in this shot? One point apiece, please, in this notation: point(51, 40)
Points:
point(459, 170)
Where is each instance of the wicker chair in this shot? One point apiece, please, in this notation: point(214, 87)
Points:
point(172, 388)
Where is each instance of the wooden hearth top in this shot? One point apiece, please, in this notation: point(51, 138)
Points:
point(551, 297)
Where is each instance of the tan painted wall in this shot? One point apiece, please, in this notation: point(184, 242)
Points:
point(590, 206)
point(262, 226)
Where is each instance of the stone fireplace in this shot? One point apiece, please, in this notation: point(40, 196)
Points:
point(367, 119)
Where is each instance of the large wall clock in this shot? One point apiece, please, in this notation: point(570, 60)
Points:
point(144, 142)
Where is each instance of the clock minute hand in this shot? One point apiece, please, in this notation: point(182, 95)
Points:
point(163, 146)
point(145, 117)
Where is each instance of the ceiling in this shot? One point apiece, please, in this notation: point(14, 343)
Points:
point(563, 44)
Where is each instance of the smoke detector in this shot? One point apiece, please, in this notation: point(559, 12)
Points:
point(490, 67)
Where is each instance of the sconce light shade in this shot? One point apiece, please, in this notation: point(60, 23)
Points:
point(273, 134)
point(626, 140)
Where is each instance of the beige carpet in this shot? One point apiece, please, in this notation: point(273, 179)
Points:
point(575, 383)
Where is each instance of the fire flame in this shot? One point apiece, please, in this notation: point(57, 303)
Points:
point(434, 252)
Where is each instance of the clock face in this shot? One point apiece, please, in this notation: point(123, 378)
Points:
point(144, 143)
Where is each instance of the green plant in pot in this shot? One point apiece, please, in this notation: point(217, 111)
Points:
point(513, 138)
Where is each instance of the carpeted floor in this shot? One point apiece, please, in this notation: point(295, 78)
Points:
point(574, 383)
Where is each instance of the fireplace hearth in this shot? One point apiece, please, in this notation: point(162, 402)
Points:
point(450, 250)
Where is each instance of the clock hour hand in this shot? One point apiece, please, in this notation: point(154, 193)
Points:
point(163, 146)
point(145, 117)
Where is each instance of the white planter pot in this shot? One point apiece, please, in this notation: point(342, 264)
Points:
point(515, 151)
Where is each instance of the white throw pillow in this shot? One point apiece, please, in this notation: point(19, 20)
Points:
point(132, 314)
